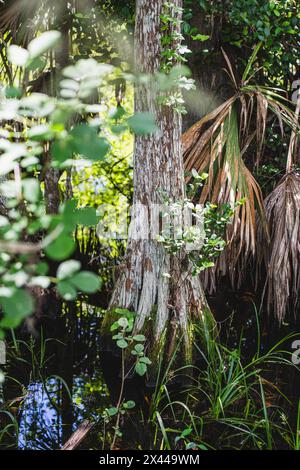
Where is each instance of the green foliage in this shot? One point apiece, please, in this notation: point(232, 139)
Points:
point(36, 48)
point(27, 232)
point(124, 339)
point(24, 198)
point(71, 280)
point(203, 238)
point(142, 123)
point(86, 282)
point(17, 304)
point(224, 404)
point(174, 50)
point(173, 57)
point(246, 22)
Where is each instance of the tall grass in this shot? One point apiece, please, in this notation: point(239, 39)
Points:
point(226, 401)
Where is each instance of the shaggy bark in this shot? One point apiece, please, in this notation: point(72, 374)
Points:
point(169, 302)
point(3, 209)
point(52, 191)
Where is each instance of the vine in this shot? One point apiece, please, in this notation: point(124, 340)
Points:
point(173, 56)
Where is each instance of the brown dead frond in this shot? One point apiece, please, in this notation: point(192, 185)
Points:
point(217, 145)
point(281, 256)
point(213, 146)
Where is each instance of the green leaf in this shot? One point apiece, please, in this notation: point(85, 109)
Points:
point(61, 150)
point(118, 336)
point(251, 61)
point(142, 123)
point(186, 432)
point(140, 368)
point(139, 348)
point(191, 445)
point(62, 247)
point(114, 326)
point(13, 92)
point(139, 338)
point(38, 63)
point(3, 221)
point(31, 189)
point(112, 411)
point(200, 37)
point(124, 312)
point(16, 307)
point(87, 142)
point(42, 268)
point(68, 268)
point(72, 215)
point(87, 216)
point(43, 43)
point(41, 281)
point(123, 322)
point(17, 55)
point(145, 360)
point(121, 343)
point(36, 105)
point(86, 282)
point(129, 404)
point(40, 132)
point(66, 290)
point(69, 214)
point(202, 447)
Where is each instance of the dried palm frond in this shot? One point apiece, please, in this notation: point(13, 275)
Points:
point(229, 181)
point(18, 19)
point(281, 257)
point(216, 145)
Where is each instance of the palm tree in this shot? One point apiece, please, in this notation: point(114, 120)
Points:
point(218, 145)
point(280, 257)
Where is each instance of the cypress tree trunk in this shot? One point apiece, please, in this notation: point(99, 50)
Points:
point(165, 306)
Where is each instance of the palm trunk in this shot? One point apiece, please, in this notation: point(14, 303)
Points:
point(164, 305)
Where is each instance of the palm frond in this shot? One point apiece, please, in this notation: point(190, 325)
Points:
point(281, 256)
point(217, 151)
point(217, 145)
point(17, 19)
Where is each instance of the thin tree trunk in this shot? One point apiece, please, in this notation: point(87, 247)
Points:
point(3, 208)
point(52, 176)
point(164, 305)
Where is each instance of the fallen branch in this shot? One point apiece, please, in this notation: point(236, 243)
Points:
point(78, 436)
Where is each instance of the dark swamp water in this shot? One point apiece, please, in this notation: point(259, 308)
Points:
point(59, 376)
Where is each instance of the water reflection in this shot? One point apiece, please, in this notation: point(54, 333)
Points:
point(52, 385)
point(61, 378)
point(43, 424)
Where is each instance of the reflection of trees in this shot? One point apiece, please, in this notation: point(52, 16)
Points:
point(47, 416)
